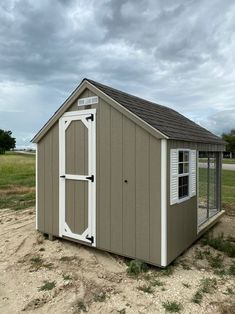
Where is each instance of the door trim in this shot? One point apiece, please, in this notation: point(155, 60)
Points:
point(91, 125)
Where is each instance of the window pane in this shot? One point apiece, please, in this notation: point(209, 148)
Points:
point(180, 192)
point(181, 168)
point(185, 180)
point(185, 190)
point(181, 181)
point(181, 156)
point(186, 156)
point(186, 167)
point(183, 186)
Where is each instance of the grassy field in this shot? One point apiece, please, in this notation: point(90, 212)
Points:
point(17, 181)
point(228, 187)
point(224, 161)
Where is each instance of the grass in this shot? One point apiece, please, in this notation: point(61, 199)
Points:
point(37, 262)
point(136, 267)
point(172, 307)
point(224, 161)
point(219, 243)
point(228, 187)
point(207, 285)
point(146, 288)
point(17, 181)
point(48, 285)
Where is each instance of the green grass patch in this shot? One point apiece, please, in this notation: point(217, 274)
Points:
point(207, 285)
point(146, 288)
point(136, 267)
point(220, 243)
point(48, 285)
point(17, 181)
point(172, 307)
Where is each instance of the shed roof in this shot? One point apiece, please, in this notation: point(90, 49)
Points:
point(166, 120)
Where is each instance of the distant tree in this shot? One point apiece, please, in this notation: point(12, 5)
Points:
point(230, 139)
point(7, 142)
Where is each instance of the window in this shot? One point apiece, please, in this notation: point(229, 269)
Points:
point(183, 174)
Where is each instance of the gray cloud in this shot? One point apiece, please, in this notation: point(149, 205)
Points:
point(177, 53)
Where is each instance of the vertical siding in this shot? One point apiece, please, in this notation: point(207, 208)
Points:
point(128, 213)
point(103, 181)
point(129, 195)
point(142, 194)
point(116, 181)
point(55, 179)
point(48, 182)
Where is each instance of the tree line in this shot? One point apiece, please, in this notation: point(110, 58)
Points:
point(7, 142)
point(230, 139)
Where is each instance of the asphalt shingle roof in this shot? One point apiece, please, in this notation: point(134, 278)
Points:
point(168, 121)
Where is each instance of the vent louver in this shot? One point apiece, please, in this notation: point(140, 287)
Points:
point(88, 101)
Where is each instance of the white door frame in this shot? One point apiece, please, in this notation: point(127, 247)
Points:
point(88, 117)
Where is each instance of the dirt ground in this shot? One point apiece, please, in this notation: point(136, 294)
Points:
point(83, 279)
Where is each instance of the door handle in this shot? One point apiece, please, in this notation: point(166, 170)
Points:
point(62, 176)
point(91, 178)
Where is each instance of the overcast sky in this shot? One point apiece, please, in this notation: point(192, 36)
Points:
point(177, 53)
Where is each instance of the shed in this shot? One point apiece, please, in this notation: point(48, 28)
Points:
point(126, 175)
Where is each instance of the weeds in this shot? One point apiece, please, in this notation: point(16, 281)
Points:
point(157, 282)
point(207, 285)
point(215, 261)
point(231, 270)
point(146, 288)
point(220, 243)
point(186, 285)
point(136, 267)
point(67, 277)
point(122, 311)
point(37, 262)
point(48, 285)
point(172, 307)
point(167, 271)
point(80, 306)
point(229, 291)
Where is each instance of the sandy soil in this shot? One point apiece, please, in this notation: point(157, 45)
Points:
point(87, 280)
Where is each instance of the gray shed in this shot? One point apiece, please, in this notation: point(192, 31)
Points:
point(122, 174)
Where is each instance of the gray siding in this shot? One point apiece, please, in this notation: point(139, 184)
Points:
point(128, 213)
point(182, 217)
point(48, 182)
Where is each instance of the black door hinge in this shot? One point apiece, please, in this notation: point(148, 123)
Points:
point(90, 238)
point(90, 178)
point(91, 117)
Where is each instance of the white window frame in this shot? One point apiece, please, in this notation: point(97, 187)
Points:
point(184, 174)
point(177, 200)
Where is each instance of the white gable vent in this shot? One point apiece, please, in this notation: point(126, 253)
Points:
point(88, 101)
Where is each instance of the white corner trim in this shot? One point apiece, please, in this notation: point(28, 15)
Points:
point(163, 202)
point(36, 187)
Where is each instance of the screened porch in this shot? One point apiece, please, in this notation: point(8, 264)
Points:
point(209, 185)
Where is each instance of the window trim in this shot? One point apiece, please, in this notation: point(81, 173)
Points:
point(184, 174)
point(190, 175)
